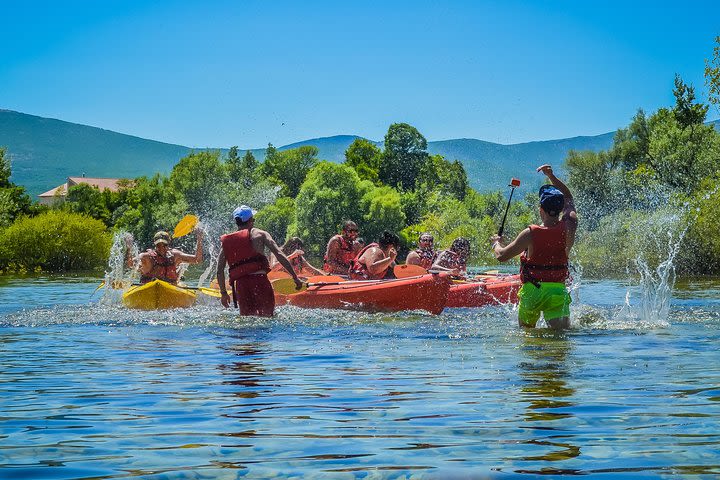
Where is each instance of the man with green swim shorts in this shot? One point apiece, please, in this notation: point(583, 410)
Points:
point(544, 250)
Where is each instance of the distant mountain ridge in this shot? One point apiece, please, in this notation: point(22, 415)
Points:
point(44, 152)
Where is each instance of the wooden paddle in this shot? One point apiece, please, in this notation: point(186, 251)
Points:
point(286, 286)
point(185, 226)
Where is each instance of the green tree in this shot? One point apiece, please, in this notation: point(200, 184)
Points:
point(88, 200)
point(277, 218)
point(404, 156)
point(712, 75)
point(365, 157)
point(382, 211)
point(290, 167)
point(688, 112)
point(13, 199)
point(330, 195)
point(448, 177)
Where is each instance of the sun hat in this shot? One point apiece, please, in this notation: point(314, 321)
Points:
point(161, 237)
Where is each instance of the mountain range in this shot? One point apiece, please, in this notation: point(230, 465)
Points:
point(45, 151)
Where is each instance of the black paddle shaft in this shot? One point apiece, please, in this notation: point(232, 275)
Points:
point(502, 224)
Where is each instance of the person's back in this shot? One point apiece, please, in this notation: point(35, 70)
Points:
point(243, 251)
point(544, 251)
point(374, 260)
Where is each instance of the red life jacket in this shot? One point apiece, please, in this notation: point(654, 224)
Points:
point(549, 261)
point(241, 256)
point(163, 268)
point(360, 271)
point(427, 257)
point(347, 255)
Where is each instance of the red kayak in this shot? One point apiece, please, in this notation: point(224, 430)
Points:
point(425, 292)
point(492, 290)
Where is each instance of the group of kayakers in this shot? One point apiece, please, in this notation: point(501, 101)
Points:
point(543, 250)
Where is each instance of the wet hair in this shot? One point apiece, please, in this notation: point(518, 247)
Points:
point(292, 244)
point(388, 238)
point(242, 224)
point(426, 234)
point(460, 243)
point(349, 225)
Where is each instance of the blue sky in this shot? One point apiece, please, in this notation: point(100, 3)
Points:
point(222, 73)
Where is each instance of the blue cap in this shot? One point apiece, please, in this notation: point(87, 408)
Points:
point(244, 213)
point(552, 200)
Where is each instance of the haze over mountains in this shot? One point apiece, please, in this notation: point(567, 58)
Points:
point(45, 151)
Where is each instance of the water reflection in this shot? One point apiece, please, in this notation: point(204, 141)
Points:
point(544, 369)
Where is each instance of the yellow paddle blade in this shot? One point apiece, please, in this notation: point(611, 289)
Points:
point(185, 226)
point(326, 279)
point(286, 286)
point(491, 272)
point(405, 271)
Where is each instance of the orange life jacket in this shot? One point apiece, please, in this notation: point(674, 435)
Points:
point(163, 268)
point(360, 271)
point(241, 256)
point(347, 255)
point(549, 261)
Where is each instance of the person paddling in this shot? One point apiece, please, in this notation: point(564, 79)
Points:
point(341, 250)
point(374, 261)
point(425, 255)
point(243, 251)
point(454, 259)
point(544, 250)
point(293, 250)
point(160, 262)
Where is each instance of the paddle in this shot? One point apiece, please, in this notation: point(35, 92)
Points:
point(405, 271)
point(514, 182)
point(185, 226)
point(286, 286)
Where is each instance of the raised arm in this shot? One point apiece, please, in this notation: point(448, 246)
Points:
point(378, 266)
point(186, 257)
point(569, 209)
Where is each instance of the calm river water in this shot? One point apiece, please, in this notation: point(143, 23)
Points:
point(93, 391)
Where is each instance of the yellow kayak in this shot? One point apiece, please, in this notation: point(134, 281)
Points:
point(156, 295)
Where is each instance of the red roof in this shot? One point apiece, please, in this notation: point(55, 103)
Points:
point(99, 183)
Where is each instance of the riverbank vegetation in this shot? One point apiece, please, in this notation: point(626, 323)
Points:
point(656, 184)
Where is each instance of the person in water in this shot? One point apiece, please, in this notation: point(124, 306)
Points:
point(454, 259)
point(160, 262)
point(374, 261)
point(243, 251)
point(544, 250)
point(341, 250)
point(293, 250)
point(425, 255)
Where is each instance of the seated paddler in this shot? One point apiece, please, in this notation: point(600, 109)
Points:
point(425, 255)
point(293, 250)
point(341, 250)
point(161, 261)
point(375, 260)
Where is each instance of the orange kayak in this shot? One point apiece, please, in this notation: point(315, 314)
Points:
point(488, 291)
point(425, 292)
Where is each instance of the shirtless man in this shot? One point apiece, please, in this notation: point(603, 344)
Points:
point(248, 266)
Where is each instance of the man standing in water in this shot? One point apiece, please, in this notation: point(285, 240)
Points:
point(544, 250)
point(248, 266)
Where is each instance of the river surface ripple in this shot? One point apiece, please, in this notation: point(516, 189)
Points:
point(92, 391)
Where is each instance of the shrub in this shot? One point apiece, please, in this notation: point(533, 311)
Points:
point(54, 241)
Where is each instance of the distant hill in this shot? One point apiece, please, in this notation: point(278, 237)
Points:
point(45, 151)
